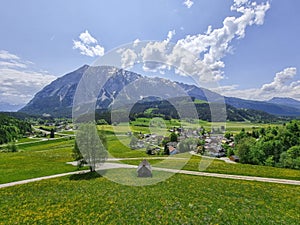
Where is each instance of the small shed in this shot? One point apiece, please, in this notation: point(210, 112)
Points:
point(144, 169)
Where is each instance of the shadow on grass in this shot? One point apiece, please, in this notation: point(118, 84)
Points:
point(85, 176)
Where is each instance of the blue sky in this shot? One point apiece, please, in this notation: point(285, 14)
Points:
point(260, 60)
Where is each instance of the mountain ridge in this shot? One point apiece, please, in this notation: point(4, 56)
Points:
point(285, 101)
point(57, 97)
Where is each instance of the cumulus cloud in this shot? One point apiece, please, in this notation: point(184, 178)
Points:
point(208, 48)
point(281, 86)
point(215, 43)
point(280, 80)
point(188, 3)
point(155, 56)
point(19, 79)
point(86, 38)
point(128, 58)
point(88, 45)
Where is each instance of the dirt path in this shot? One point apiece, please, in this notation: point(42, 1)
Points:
point(40, 178)
point(106, 166)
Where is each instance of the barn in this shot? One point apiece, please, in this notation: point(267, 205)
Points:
point(144, 169)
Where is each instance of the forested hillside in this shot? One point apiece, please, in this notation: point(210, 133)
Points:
point(166, 109)
point(12, 128)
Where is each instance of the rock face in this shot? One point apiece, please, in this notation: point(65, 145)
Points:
point(57, 98)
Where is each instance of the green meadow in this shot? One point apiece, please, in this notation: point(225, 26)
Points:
point(219, 166)
point(41, 158)
point(36, 159)
point(182, 199)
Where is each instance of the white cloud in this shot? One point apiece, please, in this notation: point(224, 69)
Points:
point(154, 54)
point(5, 55)
point(188, 3)
point(215, 44)
point(19, 80)
point(128, 58)
point(281, 86)
point(170, 35)
point(88, 45)
point(86, 38)
point(280, 80)
point(136, 42)
point(233, 91)
point(208, 48)
point(12, 64)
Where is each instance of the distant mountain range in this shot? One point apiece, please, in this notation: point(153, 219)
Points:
point(266, 106)
point(286, 102)
point(57, 98)
point(4, 106)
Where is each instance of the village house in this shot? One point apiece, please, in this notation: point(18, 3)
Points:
point(213, 146)
point(172, 146)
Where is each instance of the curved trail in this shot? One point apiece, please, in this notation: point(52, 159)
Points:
point(107, 166)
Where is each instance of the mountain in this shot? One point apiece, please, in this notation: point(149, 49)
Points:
point(285, 102)
point(57, 98)
point(275, 109)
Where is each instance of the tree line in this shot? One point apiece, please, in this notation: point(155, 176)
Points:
point(273, 146)
point(166, 110)
point(12, 129)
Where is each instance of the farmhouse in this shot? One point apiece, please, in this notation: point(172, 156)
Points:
point(172, 146)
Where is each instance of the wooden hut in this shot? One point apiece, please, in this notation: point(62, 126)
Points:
point(144, 169)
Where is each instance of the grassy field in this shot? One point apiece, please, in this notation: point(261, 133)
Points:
point(146, 122)
point(219, 166)
point(236, 127)
point(49, 157)
point(118, 148)
point(142, 125)
point(182, 199)
point(36, 160)
point(69, 132)
point(26, 140)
